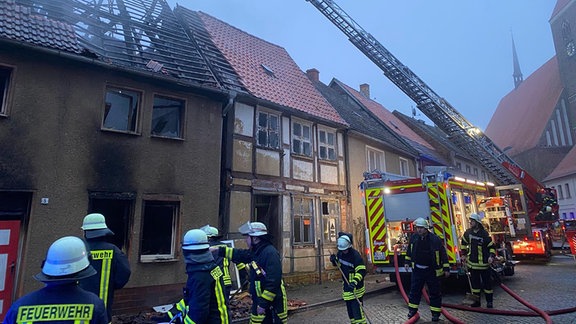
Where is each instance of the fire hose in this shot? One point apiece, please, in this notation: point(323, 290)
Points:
point(536, 311)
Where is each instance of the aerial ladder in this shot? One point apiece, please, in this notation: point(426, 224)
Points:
point(504, 171)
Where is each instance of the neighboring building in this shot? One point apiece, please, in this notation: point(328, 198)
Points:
point(371, 145)
point(563, 179)
point(427, 154)
point(459, 162)
point(283, 150)
point(535, 123)
point(105, 109)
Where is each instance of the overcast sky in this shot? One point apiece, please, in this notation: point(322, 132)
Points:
point(461, 49)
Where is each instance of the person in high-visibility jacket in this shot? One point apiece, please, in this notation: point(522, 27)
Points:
point(61, 300)
point(269, 301)
point(353, 270)
point(214, 240)
point(110, 262)
point(478, 251)
point(204, 300)
point(426, 257)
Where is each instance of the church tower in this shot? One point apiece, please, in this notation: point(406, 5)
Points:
point(517, 73)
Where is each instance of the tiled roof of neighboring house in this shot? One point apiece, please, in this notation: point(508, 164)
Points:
point(566, 167)
point(522, 115)
point(268, 71)
point(387, 117)
point(362, 122)
point(19, 23)
point(432, 131)
point(141, 35)
point(222, 69)
point(560, 4)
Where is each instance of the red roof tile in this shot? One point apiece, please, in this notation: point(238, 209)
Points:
point(522, 115)
point(388, 118)
point(284, 84)
point(566, 167)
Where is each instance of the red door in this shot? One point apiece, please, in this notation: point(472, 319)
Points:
point(9, 234)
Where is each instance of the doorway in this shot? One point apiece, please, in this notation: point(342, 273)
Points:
point(117, 208)
point(266, 210)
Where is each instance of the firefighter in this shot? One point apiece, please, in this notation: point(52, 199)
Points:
point(204, 300)
point(426, 257)
point(269, 302)
point(224, 264)
point(478, 251)
point(110, 262)
point(353, 270)
point(61, 300)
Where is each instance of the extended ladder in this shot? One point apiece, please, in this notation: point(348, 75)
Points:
point(461, 132)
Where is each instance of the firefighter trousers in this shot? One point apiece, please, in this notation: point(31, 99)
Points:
point(420, 277)
point(481, 281)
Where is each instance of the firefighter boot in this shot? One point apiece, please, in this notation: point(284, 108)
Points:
point(476, 302)
point(435, 316)
point(412, 312)
point(489, 299)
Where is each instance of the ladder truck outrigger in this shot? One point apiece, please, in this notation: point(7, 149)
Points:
point(518, 212)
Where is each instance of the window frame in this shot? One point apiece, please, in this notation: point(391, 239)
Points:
point(182, 116)
point(404, 167)
point(7, 89)
point(382, 168)
point(301, 138)
point(268, 129)
point(299, 215)
point(138, 110)
point(159, 200)
point(327, 146)
point(326, 220)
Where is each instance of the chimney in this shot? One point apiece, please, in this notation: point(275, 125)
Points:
point(365, 90)
point(313, 75)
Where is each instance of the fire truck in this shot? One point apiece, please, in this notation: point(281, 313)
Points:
point(439, 196)
point(531, 206)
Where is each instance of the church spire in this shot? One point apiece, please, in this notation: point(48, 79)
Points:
point(517, 73)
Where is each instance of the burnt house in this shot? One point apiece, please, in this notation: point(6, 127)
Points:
point(107, 107)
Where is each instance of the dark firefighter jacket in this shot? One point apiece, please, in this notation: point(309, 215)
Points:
point(353, 270)
point(113, 271)
point(58, 303)
point(204, 300)
point(266, 286)
point(437, 251)
point(478, 247)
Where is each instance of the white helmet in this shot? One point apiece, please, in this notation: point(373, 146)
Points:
point(476, 217)
point(210, 231)
point(421, 222)
point(66, 259)
point(344, 242)
point(253, 229)
point(94, 225)
point(195, 239)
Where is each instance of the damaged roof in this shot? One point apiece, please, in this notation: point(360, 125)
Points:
point(268, 72)
point(136, 35)
point(528, 109)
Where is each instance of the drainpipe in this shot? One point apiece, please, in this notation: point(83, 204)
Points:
point(226, 162)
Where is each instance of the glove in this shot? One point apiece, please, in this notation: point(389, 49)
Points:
point(352, 285)
point(260, 310)
point(333, 259)
point(406, 267)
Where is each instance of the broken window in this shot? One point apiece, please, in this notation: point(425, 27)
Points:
point(159, 230)
point(301, 139)
point(303, 221)
point(121, 110)
point(5, 74)
point(331, 220)
point(268, 130)
point(117, 208)
point(327, 145)
point(167, 117)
